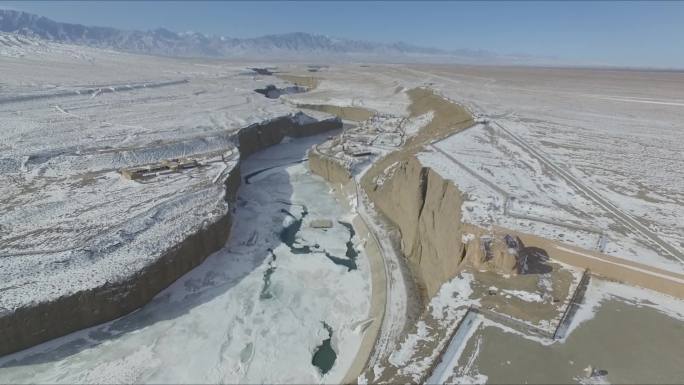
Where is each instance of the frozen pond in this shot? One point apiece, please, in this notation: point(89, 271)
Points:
point(282, 302)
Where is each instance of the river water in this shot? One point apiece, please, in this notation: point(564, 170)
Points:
point(282, 302)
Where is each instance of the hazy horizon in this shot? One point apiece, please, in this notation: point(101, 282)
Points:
point(618, 34)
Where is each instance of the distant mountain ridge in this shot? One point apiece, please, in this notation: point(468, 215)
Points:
point(168, 43)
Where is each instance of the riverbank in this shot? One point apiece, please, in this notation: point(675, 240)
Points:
point(39, 322)
point(253, 312)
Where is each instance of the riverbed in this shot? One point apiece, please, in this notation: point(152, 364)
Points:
point(282, 302)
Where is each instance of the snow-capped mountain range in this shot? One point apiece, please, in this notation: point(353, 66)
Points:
point(168, 43)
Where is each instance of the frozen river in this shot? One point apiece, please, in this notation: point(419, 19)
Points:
point(278, 298)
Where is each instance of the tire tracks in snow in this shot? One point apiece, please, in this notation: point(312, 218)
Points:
point(620, 216)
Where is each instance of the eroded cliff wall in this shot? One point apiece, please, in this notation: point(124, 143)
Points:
point(259, 136)
point(32, 325)
point(427, 210)
point(356, 114)
point(41, 322)
point(329, 168)
point(441, 250)
point(423, 206)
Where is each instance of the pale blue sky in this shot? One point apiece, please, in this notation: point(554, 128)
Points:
point(612, 33)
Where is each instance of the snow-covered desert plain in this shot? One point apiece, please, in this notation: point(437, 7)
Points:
point(163, 221)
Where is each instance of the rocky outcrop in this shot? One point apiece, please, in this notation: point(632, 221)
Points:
point(40, 322)
point(426, 208)
point(440, 250)
point(427, 211)
point(331, 169)
point(423, 206)
point(496, 252)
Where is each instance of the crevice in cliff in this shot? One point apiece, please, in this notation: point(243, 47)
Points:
point(422, 186)
point(427, 211)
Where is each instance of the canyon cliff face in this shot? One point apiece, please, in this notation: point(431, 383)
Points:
point(427, 210)
point(32, 325)
point(331, 169)
point(41, 322)
point(424, 207)
point(440, 233)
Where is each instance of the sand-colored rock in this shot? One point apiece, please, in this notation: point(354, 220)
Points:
point(310, 82)
point(439, 231)
point(419, 202)
point(356, 114)
point(488, 250)
point(427, 210)
point(329, 168)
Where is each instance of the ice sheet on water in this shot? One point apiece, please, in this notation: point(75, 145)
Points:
point(211, 325)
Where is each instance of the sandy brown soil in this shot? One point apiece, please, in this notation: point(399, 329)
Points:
point(633, 344)
point(561, 281)
point(309, 82)
point(356, 114)
point(448, 119)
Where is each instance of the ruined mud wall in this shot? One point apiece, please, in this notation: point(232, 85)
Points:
point(427, 210)
point(32, 325)
point(611, 268)
point(329, 168)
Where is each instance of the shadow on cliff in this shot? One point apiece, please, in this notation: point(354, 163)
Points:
point(535, 259)
point(215, 277)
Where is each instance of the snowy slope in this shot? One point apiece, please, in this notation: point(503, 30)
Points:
point(70, 221)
